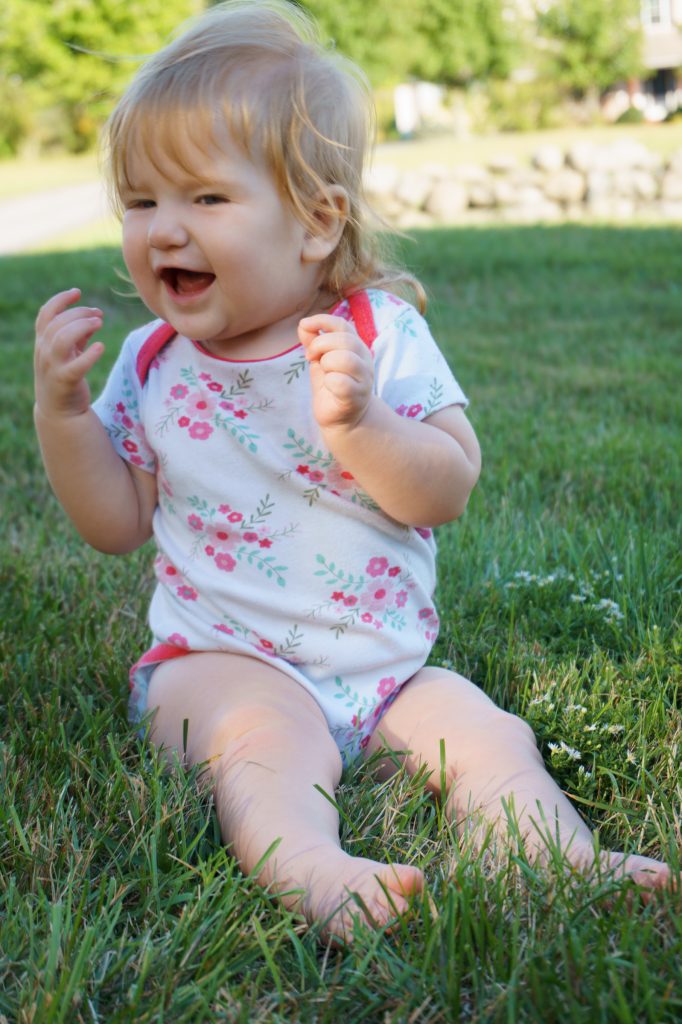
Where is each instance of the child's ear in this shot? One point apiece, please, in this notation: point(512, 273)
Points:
point(330, 220)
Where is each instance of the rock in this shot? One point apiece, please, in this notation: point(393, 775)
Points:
point(532, 213)
point(598, 185)
point(447, 201)
point(582, 156)
point(481, 196)
point(381, 180)
point(671, 186)
point(675, 162)
point(671, 210)
point(503, 163)
point(414, 188)
point(470, 173)
point(414, 219)
point(610, 208)
point(565, 186)
point(634, 184)
point(548, 158)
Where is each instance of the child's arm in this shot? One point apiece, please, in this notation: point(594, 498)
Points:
point(109, 501)
point(419, 472)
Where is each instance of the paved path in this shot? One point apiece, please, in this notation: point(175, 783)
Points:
point(29, 220)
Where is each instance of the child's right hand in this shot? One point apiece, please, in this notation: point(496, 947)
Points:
point(62, 359)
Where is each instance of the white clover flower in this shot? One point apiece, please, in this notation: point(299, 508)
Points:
point(577, 707)
point(590, 728)
point(577, 597)
point(613, 729)
point(582, 770)
point(630, 756)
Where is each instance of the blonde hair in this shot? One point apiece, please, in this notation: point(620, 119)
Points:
point(258, 69)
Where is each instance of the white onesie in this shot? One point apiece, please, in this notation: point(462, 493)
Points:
point(266, 545)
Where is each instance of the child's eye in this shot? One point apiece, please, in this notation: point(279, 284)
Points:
point(139, 204)
point(211, 200)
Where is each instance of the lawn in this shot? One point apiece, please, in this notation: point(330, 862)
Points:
point(559, 595)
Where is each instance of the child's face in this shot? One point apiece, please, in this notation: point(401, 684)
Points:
point(221, 258)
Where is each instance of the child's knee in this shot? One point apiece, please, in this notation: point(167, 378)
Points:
point(256, 729)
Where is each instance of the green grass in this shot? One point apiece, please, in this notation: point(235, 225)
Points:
point(559, 592)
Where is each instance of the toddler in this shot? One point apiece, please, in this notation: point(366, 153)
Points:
point(289, 433)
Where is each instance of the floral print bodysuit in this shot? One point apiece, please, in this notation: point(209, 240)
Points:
point(266, 546)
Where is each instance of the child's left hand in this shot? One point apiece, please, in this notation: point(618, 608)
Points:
point(341, 370)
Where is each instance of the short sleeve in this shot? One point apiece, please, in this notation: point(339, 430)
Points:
point(119, 407)
point(411, 373)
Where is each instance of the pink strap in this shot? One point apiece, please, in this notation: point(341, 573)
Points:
point(151, 348)
point(360, 309)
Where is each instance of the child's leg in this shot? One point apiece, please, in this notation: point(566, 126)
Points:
point(490, 758)
point(268, 745)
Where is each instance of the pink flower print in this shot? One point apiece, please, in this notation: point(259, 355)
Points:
point(225, 562)
point(357, 722)
point(204, 376)
point(350, 600)
point(386, 686)
point(137, 459)
point(226, 405)
point(338, 595)
point(401, 410)
point(377, 598)
point(195, 522)
point(250, 537)
point(414, 410)
point(364, 741)
point(127, 422)
point(266, 645)
point(376, 566)
point(200, 431)
point(184, 421)
point(224, 509)
point(339, 479)
point(315, 476)
point(178, 639)
point(367, 617)
point(401, 598)
point(303, 470)
point(265, 543)
point(187, 593)
point(120, 407)
point(235, 517)
point(424, 532)
point(241, 414)
point(179, 391)
point(425, 613)
point(222, 628)
point(200, 405)
point(219, 535)
point(129, 445)
point(394, 570)
point(210, 550)
point(215, 386)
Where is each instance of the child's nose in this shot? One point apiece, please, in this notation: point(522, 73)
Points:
point(166, 230)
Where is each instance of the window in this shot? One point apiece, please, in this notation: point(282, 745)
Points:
point(656, 12)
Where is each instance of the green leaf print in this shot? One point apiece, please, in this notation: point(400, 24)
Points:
point(238, 430)
point(435, 396)
point(300, 449)
point(335, 575)
point(294, 371)
point(352, 697)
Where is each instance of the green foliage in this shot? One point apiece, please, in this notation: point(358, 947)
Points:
point(447, 41)
point(64, 61)
point(591, 43)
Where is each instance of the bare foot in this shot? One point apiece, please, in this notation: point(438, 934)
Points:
point(339, 888)
point(646, 872)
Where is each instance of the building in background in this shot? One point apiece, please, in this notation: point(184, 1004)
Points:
point(661, 93)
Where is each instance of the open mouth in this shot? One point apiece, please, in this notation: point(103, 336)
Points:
point(186, 282)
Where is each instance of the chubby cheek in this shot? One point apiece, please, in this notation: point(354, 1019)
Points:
point(134, 249)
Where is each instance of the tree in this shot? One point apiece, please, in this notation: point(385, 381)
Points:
point(69, 59)
point(591, 44)
point(446, 41)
